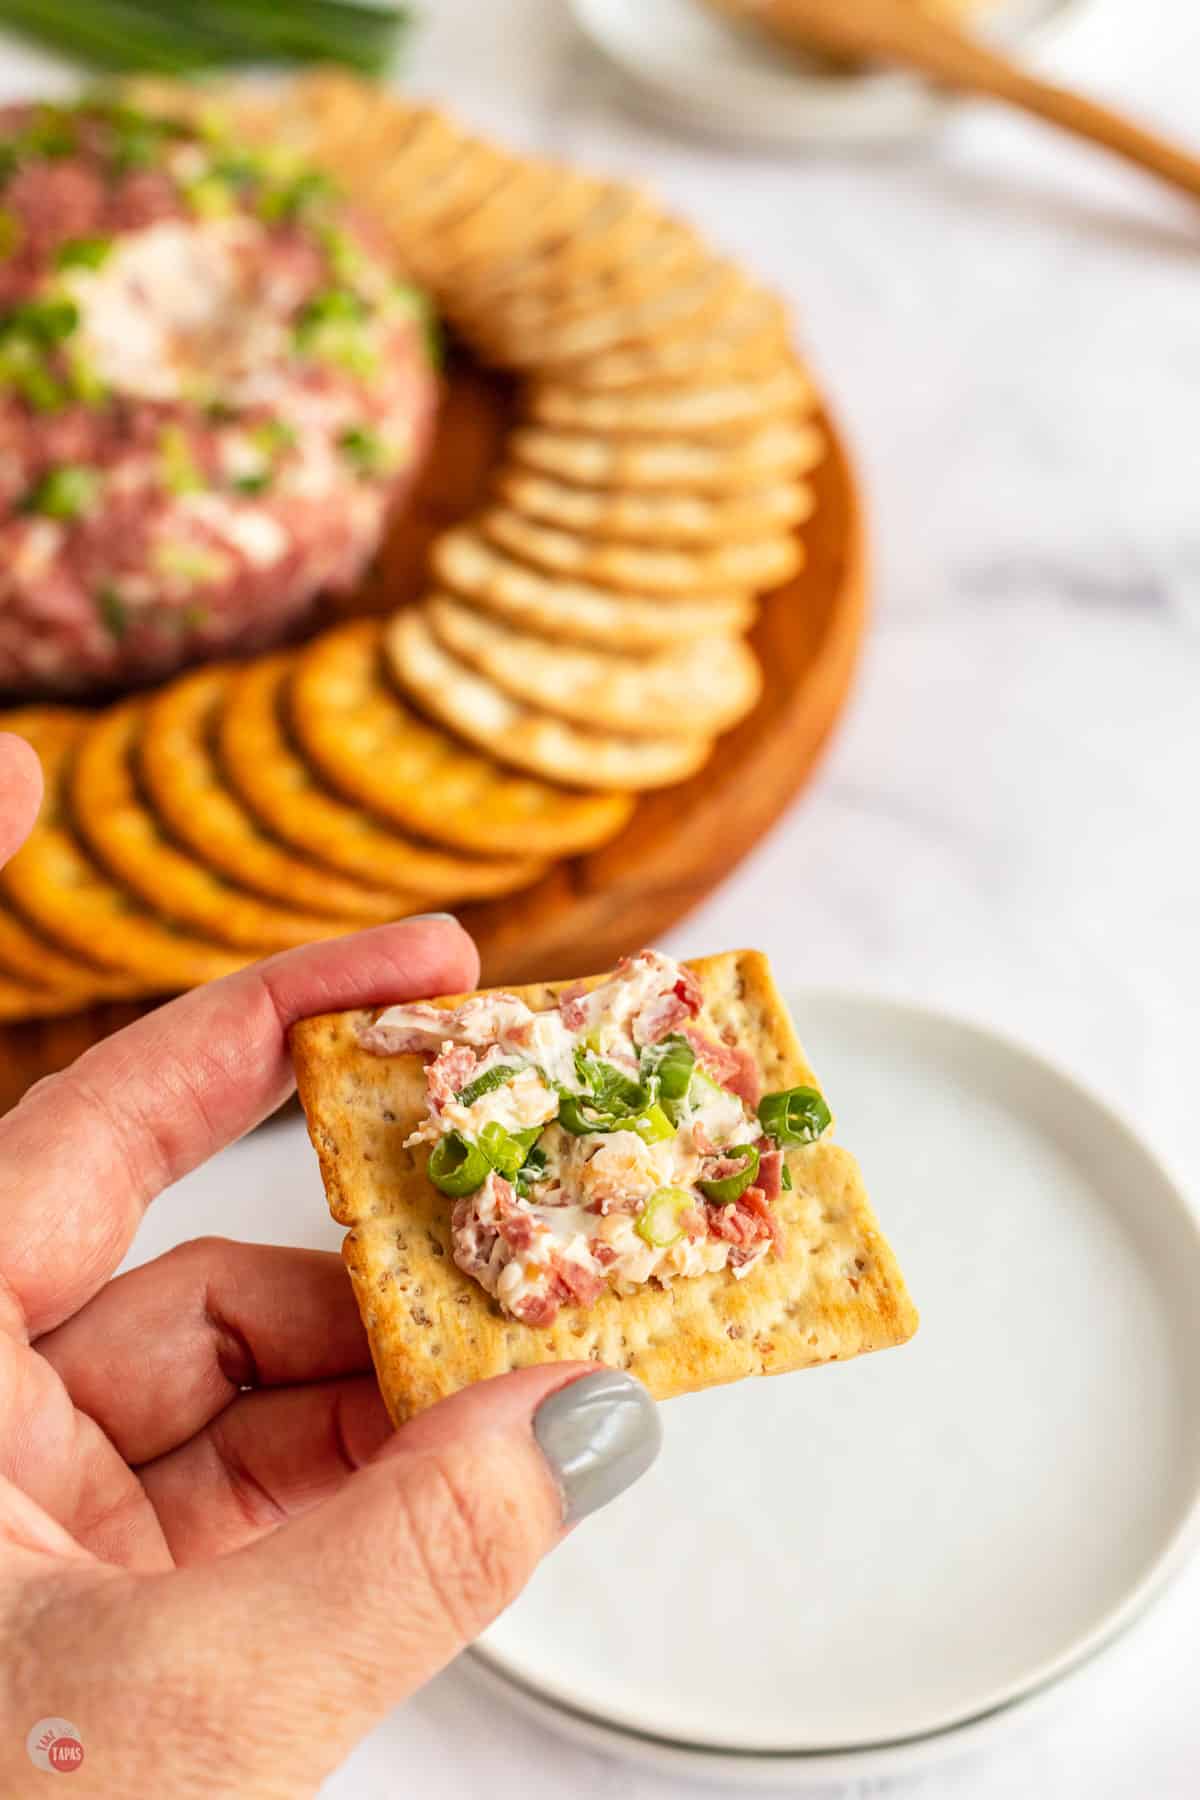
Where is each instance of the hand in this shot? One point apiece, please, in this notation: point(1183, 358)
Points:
point(217, 1559)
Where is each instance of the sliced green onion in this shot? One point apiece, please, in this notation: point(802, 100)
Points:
point(794, 1115)
point(45, 321)
point(785, 1179)
point(294, 198)
point(12, 233)
point(531, 1170)
point(111, 608)
point(180, 471)
point(64, 492)
point(458, 1167)
point(672, 1061)
point(272, 436)
point(609, 1086)
point(658, 1222)
point(191, 562)
point(23, 368)
point(652, 1125)
point(365, 449)
point(83, 253)
point(506, 1150)
point(209, 197)
point(253, 484)
point(731, 1187)
point(487, 1083)
point(332, 306)
point(52, 133)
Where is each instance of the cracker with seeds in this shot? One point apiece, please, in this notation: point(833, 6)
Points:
point(716, 680)
point(779, 451)
point(574, 611)
point(746, 563)
point(478, 710)
point(358, 732)
point(666, 516)
point(54, 884)
point(123, 834)
point(179, 769)
point(277, 785)
point(634, 1169)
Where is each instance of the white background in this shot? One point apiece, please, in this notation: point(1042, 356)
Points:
point(1008, 821)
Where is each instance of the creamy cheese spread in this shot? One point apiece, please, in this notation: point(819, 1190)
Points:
point(607, 1142)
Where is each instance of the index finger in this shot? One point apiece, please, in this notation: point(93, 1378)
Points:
point(87, 1150)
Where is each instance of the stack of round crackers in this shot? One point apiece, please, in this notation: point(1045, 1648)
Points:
point(582, 639)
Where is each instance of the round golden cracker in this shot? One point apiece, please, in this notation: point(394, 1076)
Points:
point(33, 961)
point(56, 886)
point(271, 777)
point(779, 451)
point(746, 564)
point(682, 411)
point(537, 201)
point(456, 188)
point(367, 742)
point(616, 222)
point(748, 336)
point(121, 832)
point(20, 1002)
point(179, 769)
point(574, 611)
point(700, 688)
point(663, 517)
point(476, 709)
point(681, 306)
point(670, 258)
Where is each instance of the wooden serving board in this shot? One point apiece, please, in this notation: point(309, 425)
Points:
point(680, 842)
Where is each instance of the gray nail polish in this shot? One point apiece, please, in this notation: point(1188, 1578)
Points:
point(598, 1434)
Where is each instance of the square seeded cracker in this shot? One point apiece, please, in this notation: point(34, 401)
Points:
point(834, 1293)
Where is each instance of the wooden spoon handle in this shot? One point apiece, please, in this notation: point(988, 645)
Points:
point(898, 31)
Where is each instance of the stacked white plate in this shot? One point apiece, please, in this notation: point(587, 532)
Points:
point(857, 1569)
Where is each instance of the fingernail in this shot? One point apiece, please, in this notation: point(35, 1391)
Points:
point(598, 1434)
point(415, 918)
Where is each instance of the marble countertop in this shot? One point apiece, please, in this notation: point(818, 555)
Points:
point(1007, 821)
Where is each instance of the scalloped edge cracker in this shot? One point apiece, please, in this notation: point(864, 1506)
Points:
point(835, 1293)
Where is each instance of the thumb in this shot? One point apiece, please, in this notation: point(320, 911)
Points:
point(324, 1625)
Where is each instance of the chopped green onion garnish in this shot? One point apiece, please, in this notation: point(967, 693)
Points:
point(531, 1171)
point(64, 492)
point(111, 608)
point(272, 436)
point(785, 1179)
point(335, 305)
point(180, 472)
point(458, 1167)
point(83, 252)
point(794, 1115)
point(192, 562)
point(208, 196)
point(253, 484)
point(23, 368)
point(292, 199)
point(46, 321)
point(673, 1061)
point(652, 1125)
point(658, 1222)
point(729, 1188)
point(365, 449)
point(12, 233)
point(487, 1083)
point(506, 1150)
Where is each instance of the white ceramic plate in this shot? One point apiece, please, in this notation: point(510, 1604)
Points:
point(865, 1555)
point(688, 67)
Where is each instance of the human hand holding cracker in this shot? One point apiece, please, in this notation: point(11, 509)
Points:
point(217, 1558)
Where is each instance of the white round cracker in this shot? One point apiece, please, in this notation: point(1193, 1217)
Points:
point(678, 411)
point(662, 517)
point(476, 709)
point(749, 563)
point(619, 220)
point(703, 687)
point(682, 306)
point(776, 451)
point(574, 611)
